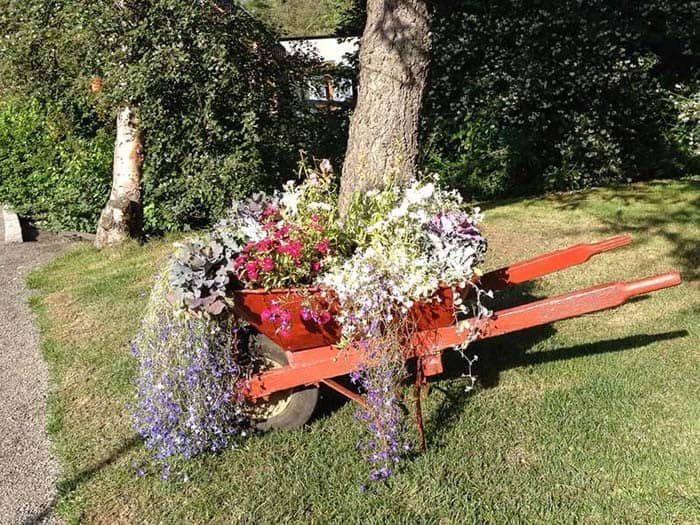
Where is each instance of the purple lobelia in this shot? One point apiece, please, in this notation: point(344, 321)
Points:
point(379, 378)
point(187, 369)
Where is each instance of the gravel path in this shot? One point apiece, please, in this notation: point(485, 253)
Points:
point(27, 470)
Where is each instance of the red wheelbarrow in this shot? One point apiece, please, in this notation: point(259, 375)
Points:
point(307, 357)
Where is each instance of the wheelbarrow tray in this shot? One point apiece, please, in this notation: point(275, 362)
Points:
point(313, 358)
point(427, 315)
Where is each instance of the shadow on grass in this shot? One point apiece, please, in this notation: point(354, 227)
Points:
point(508, 352)
point(651, 208)
point(68, 485)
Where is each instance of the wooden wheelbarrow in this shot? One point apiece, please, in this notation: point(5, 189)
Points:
point(307, 357)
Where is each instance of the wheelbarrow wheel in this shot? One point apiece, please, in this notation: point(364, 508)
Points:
point(286, 409)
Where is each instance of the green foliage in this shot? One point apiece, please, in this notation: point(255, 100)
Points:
point(216, 96)
point(527, 97)
point(47, 170)
point(215, 99)
point(686, 130)
point(300, 17)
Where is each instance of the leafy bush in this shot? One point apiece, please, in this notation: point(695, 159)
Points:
point(527, 96)
point(686, 131)
point(216, 96)
point(216, 99)
point(47, 170)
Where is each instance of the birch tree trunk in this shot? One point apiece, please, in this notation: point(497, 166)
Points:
point(122, 216)
point(394, 60)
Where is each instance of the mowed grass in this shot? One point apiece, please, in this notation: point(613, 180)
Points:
point(590, 420)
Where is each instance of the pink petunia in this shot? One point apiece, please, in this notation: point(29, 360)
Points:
point(322, 247)
point(267, 264)
point(281, 232)
point(269, 211)
point(251, 269)
point(263, 245)
point(294, 249)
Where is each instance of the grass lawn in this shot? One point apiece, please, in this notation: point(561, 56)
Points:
point(590, 420)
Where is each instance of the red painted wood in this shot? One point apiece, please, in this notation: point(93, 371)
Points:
point(314, 365)
point(575, 303)
point(323, 367)
point(353, 396)
point(523, 271)
point(249, 305)
point(428, 315)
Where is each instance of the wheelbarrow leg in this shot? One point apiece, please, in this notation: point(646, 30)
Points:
point(352, 396)
point(419, 382)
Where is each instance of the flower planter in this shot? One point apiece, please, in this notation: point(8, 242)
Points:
point(303, 334)
point(250, 304)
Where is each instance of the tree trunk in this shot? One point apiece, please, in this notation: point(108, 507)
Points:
point(394, 58)
point(122, 216)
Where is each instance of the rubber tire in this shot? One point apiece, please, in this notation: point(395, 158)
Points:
point(301, 402)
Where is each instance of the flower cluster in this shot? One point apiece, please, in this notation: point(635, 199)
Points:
point(279, 315)
point(413, 241)
point(288, 253)
point(422, 239)
point(286, 237)
point(188, 367)
point(383, 417)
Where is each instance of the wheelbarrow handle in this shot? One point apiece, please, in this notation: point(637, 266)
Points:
point(575, 303)
point(526, 270)
point(651, 284)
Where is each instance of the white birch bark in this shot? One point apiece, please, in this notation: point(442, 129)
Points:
point(122, 216)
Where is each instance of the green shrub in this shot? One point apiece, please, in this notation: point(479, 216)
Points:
point(532, 96)
point(686, 129)
point(217, 99)
point(47, 170)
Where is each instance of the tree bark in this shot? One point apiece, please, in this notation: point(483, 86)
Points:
point(394, 59)
point(122, 216)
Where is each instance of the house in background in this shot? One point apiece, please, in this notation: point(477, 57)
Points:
point(334, 85)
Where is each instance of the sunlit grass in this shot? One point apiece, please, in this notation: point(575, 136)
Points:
point(591, 420)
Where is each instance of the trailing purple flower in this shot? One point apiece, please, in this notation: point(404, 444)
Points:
point(382, 417)
point(187, 370)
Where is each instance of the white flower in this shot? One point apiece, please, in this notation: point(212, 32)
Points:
point(290, 198)
point(320, 206)
point(399, 212)
point(252, 229)
point(416, 194)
